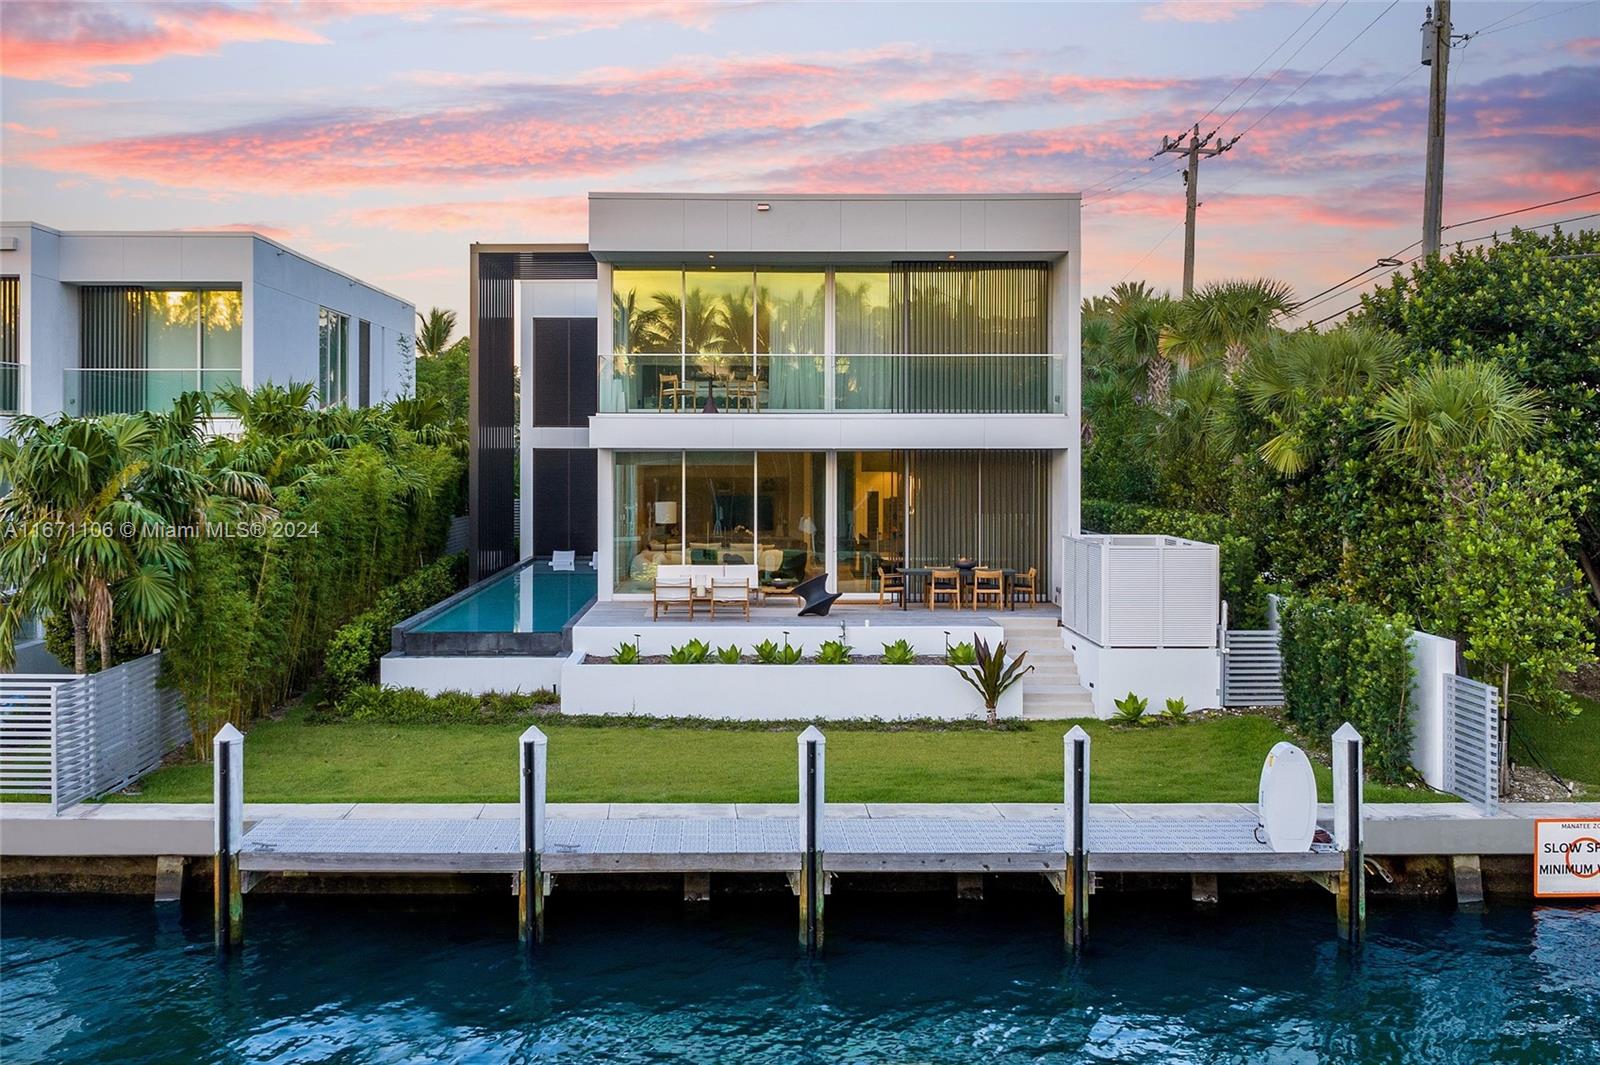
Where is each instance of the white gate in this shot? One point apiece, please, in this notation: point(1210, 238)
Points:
point(1472, 741)
point(74, 737)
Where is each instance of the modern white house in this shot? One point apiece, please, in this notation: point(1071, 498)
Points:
point(859, 388)
point(94, 323)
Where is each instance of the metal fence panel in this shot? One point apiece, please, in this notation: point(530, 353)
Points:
point(1472, 741)
point(27, 734)
point(1252, 668)
point(78, 737)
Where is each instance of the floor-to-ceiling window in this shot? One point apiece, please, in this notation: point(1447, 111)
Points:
point(710, 508)
point(139, 349)
point(871, 517)
point(791, 324)
point(10, 344)
point(333, 357)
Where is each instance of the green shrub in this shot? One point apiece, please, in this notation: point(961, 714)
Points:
point(626, 654)
point(353, 652)
point(961, 654)
point(371, 704)
point(833, 653)
point(770, 654)
point(899, 653)
point(1350, 662)
point(729, 655)
point(692, 653)
point(1131, 708)
point(1177, 710)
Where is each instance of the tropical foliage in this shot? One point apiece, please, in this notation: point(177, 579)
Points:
point(1429, 458)
point(992, 674)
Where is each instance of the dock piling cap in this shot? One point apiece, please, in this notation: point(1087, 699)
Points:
point(1288, 799)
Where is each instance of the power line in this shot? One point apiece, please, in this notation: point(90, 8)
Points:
point(1548, 14)
point(1496, 22)
point(1151, 252)
point(1524, 210)
point(1240, 83)
point(1323, 67)
point(1333, 15)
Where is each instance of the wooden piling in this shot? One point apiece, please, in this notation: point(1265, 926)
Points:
point(1349, 833)
point(532, 751)
point(227, 902)
point(1074, 882)
point(813, 791)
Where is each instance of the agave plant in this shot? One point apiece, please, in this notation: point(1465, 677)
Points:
point(960, 654)
point(626, 654)
point(770, 654)
point(991, 674)
point(691, 653)
point(899, 653)
point(1131, 708)
point(729, 655)
point(833, 653)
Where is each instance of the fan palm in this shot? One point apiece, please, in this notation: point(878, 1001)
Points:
point(434, 332)
point(1448, 409)
point(1223, 321)
point(1294, 373)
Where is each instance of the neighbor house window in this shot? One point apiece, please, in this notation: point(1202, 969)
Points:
point(140, 349)
point(10, 344)
point(333, 357)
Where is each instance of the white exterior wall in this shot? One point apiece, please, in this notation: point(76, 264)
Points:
point(1154, 673)
point(469, 673)
point(1432, 657)
point(281, 291)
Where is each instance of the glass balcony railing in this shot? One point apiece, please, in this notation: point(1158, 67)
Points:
point(880, 384)
point(11, 382)
point(126, 390)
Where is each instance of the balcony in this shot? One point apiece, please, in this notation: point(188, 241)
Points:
point(843, 384)
point(127, 390)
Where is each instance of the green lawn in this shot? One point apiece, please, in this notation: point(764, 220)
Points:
point(1570, 746)
point(290, 761)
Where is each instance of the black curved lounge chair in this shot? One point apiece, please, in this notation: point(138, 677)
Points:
point(816, 599)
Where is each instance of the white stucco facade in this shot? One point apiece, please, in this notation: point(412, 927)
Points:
point(281, 290)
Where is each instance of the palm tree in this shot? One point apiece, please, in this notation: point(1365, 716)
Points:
point(1293, 373)
point(1223, 321)
point(1448, 409)
point(87, 522)
point(1125, 329)
point(434, 332)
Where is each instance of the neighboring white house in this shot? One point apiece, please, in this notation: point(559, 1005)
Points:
point(92, 323)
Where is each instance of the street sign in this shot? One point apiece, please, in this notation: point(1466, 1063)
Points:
point(1566, 858)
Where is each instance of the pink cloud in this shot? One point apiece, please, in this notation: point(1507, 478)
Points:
point(72, 42)
point(542, 218)
point(278, 233)
point(1198, 10)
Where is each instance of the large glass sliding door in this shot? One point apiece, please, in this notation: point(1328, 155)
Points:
point(647, 516)
point(871, 517)
point(714, 508)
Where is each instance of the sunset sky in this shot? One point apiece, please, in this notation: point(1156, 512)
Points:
point(382, 137)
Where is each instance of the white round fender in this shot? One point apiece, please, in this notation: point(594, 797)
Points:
point(1288, 799)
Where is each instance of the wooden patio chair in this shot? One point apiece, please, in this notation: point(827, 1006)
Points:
point(730, 592)
point(988, 585)
point(947, 583)
point(891, 584)
point(670, 592)
point(1027, 584)
point(671, 388)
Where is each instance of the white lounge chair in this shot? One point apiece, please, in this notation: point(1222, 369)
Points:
point(564, 560)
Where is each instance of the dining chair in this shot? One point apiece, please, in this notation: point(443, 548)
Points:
point(1027, 584)
point(946, 583)
point(987, 585)
point(891, 584)
point(671, 388)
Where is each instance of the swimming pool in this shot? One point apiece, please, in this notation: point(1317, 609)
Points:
point(524, 611)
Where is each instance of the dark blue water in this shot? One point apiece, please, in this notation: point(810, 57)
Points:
point(630, 979)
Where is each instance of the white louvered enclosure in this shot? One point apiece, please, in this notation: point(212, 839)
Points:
point(1472, 741)
point(1140, 591)
point(75, 737)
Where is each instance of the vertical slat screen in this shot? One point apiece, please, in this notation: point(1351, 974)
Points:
point(990, 506)
point(112, 339)
point(10, 343)
point(960, 313)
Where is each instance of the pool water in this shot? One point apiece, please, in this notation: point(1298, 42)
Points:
point(532, 598)
point(634, 978)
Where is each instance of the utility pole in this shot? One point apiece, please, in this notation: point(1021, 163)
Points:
point(1198, 148)
point(1435, 53)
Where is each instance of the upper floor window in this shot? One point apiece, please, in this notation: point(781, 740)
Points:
point(333, 357)
point(10, 344)
point(139, 348)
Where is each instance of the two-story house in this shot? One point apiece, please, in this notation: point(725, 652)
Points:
point(808, 383)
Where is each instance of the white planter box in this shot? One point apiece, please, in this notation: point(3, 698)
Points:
point(750, 692)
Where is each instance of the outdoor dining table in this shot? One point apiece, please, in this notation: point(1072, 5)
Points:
point(922, 573)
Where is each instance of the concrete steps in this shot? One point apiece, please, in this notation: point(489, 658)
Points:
point(1053, 691)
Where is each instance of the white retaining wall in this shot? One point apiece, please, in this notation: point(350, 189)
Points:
point(771, 692)
point(1155, 673)
point(469, 673)
point(658, 638)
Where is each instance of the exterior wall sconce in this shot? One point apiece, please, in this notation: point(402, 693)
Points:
point(763, 206)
